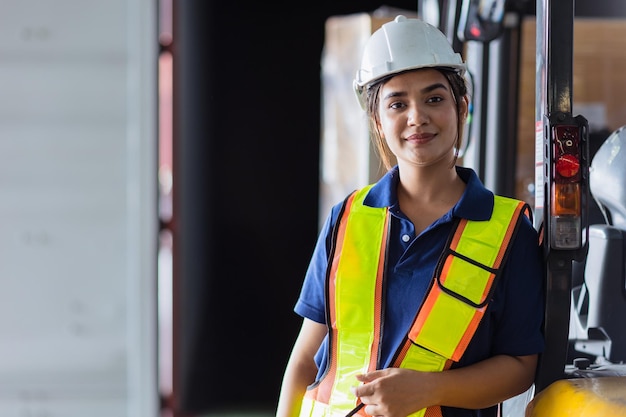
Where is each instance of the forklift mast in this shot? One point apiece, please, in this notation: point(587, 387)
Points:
point(561, 178)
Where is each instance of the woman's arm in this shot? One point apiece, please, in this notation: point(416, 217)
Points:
point(488, 382)
point(301, 368)
point(395, 392)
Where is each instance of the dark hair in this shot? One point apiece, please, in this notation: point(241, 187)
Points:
point(459, 90)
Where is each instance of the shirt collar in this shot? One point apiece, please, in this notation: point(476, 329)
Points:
point(476, 203)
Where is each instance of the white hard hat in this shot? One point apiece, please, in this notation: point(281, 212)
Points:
point(401, 45)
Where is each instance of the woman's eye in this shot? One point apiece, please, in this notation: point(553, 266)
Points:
point(396, 105)
point(435, 99)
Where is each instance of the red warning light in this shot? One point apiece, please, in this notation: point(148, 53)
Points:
point(567, 165)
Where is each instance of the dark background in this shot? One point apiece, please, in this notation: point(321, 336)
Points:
point(246, 166)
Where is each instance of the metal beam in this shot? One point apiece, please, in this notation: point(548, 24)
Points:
point(554, 55)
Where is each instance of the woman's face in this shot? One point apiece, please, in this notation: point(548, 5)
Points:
point(418, 117)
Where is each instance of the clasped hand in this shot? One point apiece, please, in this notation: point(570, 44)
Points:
point(394, 392)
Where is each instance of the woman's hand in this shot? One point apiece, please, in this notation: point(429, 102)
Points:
point(395, 392)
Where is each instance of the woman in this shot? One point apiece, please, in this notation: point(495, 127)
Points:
point(424, 293)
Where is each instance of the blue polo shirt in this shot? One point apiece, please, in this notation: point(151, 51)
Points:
point(512, 322)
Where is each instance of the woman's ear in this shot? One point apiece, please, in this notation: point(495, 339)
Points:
point(464, 108)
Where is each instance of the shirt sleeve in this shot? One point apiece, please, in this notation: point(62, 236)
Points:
point(519, 328)
point(311, 302)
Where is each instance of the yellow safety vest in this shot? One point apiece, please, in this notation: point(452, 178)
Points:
point(443, 326)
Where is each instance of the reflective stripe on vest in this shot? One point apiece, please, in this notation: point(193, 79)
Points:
point(464, 278)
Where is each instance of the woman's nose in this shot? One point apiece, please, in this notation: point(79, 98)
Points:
point(417, 117)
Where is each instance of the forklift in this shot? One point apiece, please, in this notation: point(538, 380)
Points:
point(582, 371)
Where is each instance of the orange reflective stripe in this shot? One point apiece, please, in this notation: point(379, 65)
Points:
point(378, 298)
point(454, 243)
point(433, 412)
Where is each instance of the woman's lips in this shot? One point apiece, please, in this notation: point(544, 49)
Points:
point(420, 137)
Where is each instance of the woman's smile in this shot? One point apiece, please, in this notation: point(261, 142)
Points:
point(420, 137)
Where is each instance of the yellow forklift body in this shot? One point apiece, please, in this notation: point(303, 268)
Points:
point(578, 397)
